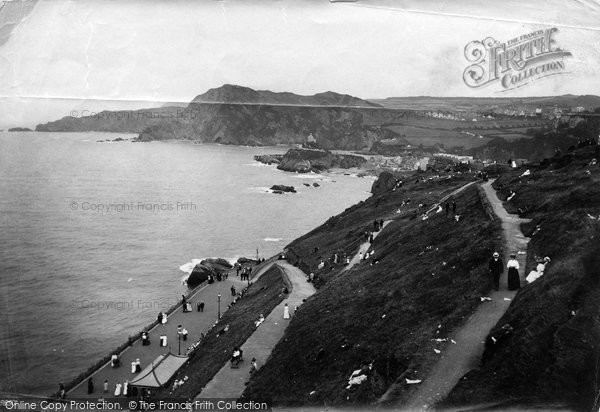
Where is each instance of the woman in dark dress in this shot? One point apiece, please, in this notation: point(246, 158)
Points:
point(514, 281)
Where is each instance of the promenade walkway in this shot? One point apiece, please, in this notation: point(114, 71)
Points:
point(195, 322)
point(230, 383)
point(458, 359)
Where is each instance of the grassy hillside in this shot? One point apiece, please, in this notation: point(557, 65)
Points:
point(428, 279)
point(553, 355)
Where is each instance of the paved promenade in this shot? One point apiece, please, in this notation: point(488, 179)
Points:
point(195, 322)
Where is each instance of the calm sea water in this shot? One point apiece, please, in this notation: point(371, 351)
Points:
point(86, 228)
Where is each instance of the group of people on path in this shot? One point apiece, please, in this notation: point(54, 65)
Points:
point(450, 205)
point(243, 271)
point(496, 268)
point(120, 389)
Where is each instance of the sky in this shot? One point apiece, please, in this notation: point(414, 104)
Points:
point(58, 56)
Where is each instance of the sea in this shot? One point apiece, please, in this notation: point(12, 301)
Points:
point(97, 237)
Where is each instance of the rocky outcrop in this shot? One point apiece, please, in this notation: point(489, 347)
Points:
point(246, 261)
point(309, 160)
point(206, 268)
point(283, 189)
point(269, 159)
point(384, 183)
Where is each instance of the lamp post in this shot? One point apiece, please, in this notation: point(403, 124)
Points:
point(219, 306)
point(179, 340)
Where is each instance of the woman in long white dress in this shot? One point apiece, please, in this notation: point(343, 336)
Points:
point(286, 311)
point(118, 389)
point(514, 280)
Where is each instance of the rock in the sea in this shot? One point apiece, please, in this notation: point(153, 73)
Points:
point(307, 160)
point(385, 182)
point(306, 184)
point(206, 267)
point(283, 188)
point(246, 261)
point(200, 274)
point(316, 184)
point(217, 263)
point(268, 159)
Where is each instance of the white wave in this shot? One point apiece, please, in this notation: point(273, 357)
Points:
point(259, 189)
point(188, 267)
point(273, 239)
point(308, 176)
point(259, 164)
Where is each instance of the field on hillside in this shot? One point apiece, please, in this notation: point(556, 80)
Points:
point(383, 316)
point(552, 358)
point(430, 137)
point(428, 131)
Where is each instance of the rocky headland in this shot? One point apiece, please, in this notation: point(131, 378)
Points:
point(311, 160)
point(242, 116)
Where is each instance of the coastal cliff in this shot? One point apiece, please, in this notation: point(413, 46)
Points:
point(242, 116)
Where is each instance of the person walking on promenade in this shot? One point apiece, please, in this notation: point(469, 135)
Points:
point(453, 207)
point(233, 292)
point(514, 281)
point(118, 389)
point(496, 267)
point(447, 208)
point(253, 366)
point(200, 306)
point(90, 386)
point(105, 386)
point(286, 311)
point(183, 300)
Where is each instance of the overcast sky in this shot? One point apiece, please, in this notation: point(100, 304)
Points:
point(57, 56)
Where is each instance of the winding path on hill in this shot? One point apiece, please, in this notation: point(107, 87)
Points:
point(362, 249)
point(458, 359)
point(448, 196)
point(231, 383)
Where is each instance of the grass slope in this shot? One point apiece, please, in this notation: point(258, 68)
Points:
point(553, 356)
point(430, 273)
point(214, 351)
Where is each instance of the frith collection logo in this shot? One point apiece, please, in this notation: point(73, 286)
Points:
point(516, 62)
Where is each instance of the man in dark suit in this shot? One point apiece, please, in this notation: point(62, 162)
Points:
point(495, 268)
